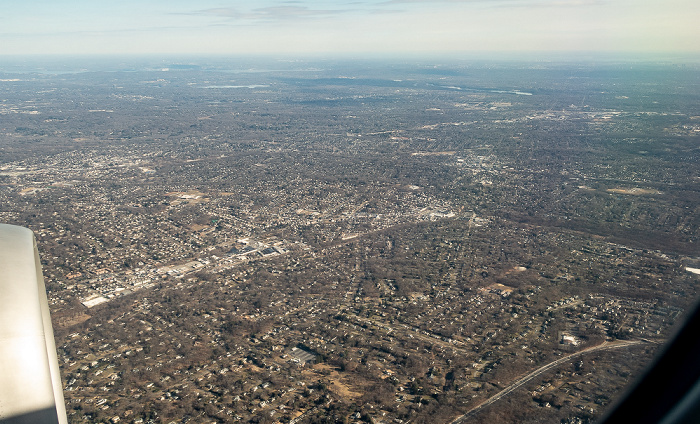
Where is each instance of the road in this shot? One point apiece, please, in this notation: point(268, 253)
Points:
point(524, 379)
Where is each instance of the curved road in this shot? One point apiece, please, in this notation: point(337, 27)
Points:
point(522, 380)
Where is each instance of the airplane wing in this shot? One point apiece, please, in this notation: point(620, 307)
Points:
point(30, 383)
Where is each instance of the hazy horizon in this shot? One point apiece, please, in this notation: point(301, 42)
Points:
point(388, 27)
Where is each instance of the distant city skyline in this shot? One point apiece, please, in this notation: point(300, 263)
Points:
point(349, 27)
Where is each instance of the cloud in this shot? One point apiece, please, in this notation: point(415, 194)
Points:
point(271, 14)
point(384, 11)
point(224, 12)
point(441, 1)
point(293, 12)
point(535, 3)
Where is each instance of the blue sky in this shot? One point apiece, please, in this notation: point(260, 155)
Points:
point(354, 27)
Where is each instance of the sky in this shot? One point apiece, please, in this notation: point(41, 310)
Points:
point(391, 27)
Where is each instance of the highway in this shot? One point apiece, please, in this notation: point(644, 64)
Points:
point(526, 378)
